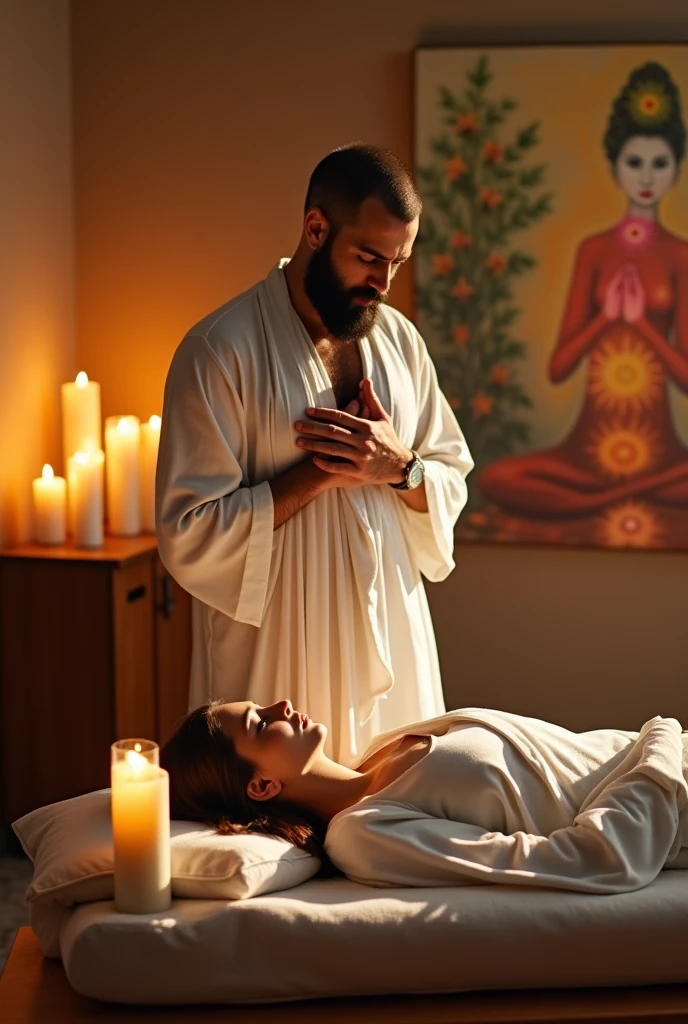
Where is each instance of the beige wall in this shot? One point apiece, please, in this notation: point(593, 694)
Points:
point(36, 252)
point(196, 126)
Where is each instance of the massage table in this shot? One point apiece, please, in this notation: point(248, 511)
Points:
point(34, 990)
point(331, 950)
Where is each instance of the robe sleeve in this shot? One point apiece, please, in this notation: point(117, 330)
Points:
point(443, 449)
point(619, 843)
point(215, 532)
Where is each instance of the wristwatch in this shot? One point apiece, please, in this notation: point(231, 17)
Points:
point(415, 472)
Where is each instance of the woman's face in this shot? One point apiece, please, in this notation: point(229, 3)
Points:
point(279, 741)
point(645, 169)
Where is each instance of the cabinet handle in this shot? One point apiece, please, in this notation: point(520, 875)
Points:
point(136, 594)
point(168, 603)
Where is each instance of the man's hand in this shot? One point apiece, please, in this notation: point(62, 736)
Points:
point(369, 449)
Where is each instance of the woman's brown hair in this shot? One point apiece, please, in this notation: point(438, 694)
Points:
point(208, 781)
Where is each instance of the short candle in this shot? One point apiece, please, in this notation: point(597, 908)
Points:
point(50, 507)
point(85, 490)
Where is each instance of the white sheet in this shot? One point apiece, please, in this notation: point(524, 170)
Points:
point(502, 798)
point(336, 938)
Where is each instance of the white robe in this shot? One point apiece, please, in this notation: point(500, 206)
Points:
point(503, 798)
point(328, 610)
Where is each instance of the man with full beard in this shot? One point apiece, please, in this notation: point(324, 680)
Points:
point(310, 470)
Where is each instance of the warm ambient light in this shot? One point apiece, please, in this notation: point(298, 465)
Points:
point(125, 425)
point(81, 379)
point(154, 422)
point(48, 472)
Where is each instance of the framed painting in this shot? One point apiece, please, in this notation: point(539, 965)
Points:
point(552, 285)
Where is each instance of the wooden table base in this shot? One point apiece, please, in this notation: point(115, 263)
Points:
point(34, 990)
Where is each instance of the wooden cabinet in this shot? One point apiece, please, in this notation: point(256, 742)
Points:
point(94, 646)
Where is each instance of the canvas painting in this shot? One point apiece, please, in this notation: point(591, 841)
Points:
point(552, 285)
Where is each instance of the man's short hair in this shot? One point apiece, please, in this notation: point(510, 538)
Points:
point(350, 174)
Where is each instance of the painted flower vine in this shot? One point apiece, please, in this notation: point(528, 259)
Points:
point(480, 191)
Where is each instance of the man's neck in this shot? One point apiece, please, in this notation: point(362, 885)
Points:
point(295, 274)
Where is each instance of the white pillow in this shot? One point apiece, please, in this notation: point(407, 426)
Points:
point(70, 844)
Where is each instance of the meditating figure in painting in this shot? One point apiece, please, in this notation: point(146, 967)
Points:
point(627, 311)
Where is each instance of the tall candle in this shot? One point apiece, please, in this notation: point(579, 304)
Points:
point(122, 458)
point(80, 416)
point(140, 828)
point(85, 490)
point(150, 440)
point(50, 507)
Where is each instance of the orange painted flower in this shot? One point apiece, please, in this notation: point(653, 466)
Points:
point(492, 152)
point(462, 289)
point(460, 240)
point(461, 334)
point(499, 376)
point(496, 263)
point(490, 198)
point(481, 404)
point(456, 168)
point(442, 265)
point(466, 124)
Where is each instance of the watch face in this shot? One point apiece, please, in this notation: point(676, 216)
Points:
point(415, 476)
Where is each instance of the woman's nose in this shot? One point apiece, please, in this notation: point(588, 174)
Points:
point(285, 707)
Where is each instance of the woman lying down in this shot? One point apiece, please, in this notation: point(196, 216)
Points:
point(472, 796)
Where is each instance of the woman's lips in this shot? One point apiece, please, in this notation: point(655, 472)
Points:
point(646, 193)
point(304, 721)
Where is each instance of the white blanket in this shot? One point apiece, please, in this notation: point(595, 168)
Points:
point(504, 798)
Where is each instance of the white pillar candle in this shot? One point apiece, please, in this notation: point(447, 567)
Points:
point(122, 458)
point(85, 491)
point(81, 428)
point(150, 441)
point(140, 828)
point(50, 507)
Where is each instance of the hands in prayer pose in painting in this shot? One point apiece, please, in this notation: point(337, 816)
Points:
point(627, 312)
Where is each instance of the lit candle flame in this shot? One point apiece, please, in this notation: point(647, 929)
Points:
point(48, 472)
point(81, 379)
point(154, 422)
point(125, 426)
point(137, 762)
